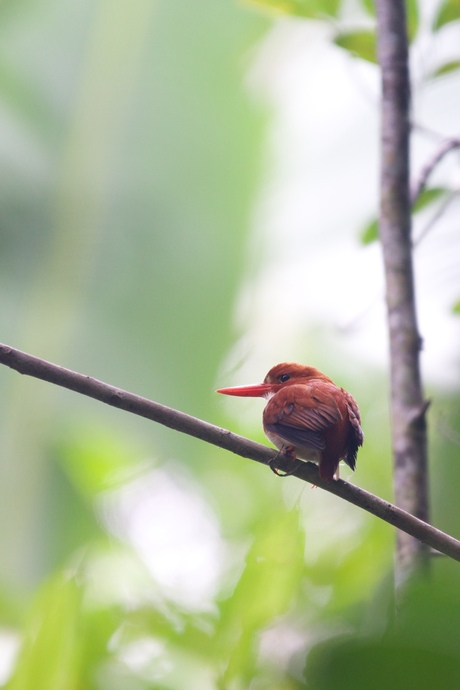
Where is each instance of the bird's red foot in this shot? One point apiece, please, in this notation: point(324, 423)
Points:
point(288, 452)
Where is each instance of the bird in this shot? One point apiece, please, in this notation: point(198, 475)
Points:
point(307, 417)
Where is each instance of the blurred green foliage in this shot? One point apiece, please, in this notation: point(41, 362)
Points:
point(362, 44)
point(311, 9)
point(420, 651)
point(130, 155)
point(449, 11)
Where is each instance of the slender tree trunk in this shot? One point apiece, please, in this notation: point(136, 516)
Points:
point(407, 402)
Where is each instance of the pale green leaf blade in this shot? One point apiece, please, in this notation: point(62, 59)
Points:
point(448, 12)
point(412, 18)
point(370, 233)
point(50, 655)
point(361, 44)
point(427, 197)
point(446, 68)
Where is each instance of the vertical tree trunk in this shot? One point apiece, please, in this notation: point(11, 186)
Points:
point(407, 403)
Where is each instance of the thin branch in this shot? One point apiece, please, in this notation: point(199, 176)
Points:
point(444, 149)
point(407, 402)
point(308, 472)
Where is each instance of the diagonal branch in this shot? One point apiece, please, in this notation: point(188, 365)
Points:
point(116, 397)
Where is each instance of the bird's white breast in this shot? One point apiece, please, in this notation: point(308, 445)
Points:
point(301, 452)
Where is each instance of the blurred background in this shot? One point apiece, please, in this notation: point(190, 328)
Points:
point(188, 196)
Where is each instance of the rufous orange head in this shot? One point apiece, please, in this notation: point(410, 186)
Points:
point(279, 376)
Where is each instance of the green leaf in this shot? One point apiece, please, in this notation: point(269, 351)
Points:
point(369, 6)
point(447, 67)
point(268, 586)
point(427, 197)
point(448, 12)
point(312, 9)
point(362, 44)
point(412, 18)
point(370, 233)
point(456, 308)
point(50, 655)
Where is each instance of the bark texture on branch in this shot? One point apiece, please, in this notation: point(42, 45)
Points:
point(408, 407)
point(307, 471)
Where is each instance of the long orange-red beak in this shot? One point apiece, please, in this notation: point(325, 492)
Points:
point(257, 390)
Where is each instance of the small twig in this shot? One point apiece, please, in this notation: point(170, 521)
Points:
point(308, 472)
point(429, 132)
point(428, 168)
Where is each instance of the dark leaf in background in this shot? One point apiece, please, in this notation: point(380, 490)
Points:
point(420, 652)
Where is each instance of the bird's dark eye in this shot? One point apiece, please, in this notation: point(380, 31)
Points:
point(284, 378)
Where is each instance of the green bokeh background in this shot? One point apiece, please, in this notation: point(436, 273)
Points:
point(130, 157)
